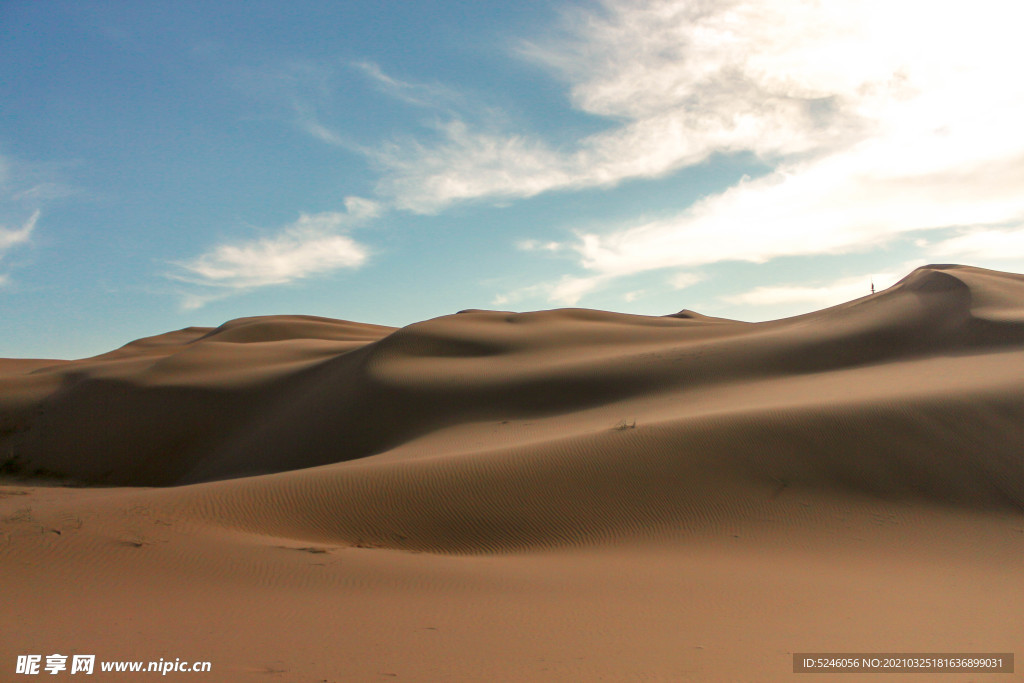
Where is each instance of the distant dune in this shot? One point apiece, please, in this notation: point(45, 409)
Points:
point(668, 498)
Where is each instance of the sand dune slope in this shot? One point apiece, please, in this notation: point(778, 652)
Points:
point(613, 421)
point(557, 495)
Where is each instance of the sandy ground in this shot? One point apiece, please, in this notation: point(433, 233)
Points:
point(560, 495)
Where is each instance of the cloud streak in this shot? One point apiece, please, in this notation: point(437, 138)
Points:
point(676, 82)
point(855, 201)
point(990, 244)
point(313, 245)
point(881, 119)
point(11, 238)
point(25, 186)
point(426, 95)
point(818, 295)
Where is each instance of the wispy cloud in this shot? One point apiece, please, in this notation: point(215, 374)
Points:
point(986, 244)
point(14, 237)
point(816, 295)
point(307, 120)
point(23, 188)
point(11, 237)
point(880, 119)
point(567, 291)
point(308, 93)
point(301, 90)
point(314, 244)
point(538, 245)
point(676, 81)
point(428, 95)
point(467, 164)
point(32, 183)
point(685, 279)
point(847, 202)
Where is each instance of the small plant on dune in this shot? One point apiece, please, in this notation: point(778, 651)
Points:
point(623, 425)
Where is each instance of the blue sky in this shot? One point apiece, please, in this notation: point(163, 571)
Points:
point(166, 164)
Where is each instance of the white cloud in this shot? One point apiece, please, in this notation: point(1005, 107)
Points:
point(854, 201)
point(517, 295)
point(308, 122)
point(567, 291)
point(430, 95)
point(984, 244)
point(362, 209)
point(24, 187)
point(684, 280)
point(310, 246)
point(307, 91)
point(881, 118)
point(468, 164)
point(276, 260)
point(678, 81)
point(818, 295)
point(12, 237)
point(538, 245)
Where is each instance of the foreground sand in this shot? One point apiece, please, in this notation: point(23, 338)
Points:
point(563, 495)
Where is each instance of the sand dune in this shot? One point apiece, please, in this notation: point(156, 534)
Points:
point(623, 479)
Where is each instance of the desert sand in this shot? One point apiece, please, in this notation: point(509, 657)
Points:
point(557, 495)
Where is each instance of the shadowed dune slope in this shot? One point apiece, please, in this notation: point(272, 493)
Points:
point(491, 430)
